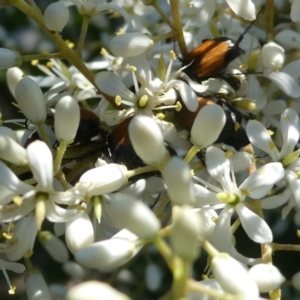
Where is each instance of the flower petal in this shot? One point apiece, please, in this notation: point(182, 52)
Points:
point(256, 228)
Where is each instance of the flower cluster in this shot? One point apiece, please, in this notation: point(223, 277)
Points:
point(144, 146)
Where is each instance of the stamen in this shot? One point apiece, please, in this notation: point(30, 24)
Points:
point(173, 57)
point(143, 101)
point(135, 82)
point(34, 62)
point(12, 288)
point(118, 100)
point(103, 51)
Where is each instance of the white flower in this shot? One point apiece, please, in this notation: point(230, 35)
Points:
point(295, 11)
point(233, 277)
point(66, 119)
point(105, 179)
point(9, 58)
point(54, 246)
point(47, 200)
point(107, 254)
point(31, 100)
point(91, 290)
point(36, 286)
point(147, 140)
point(273, 56)
point(186, 231)
point(267, 277)
point(255, 186)
point(56, 16)
point(177, 177)
point(130, 213)
point(208, 125)
point(79, 232)
point(130, 44)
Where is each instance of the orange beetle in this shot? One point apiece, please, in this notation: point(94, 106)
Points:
point(212, 56)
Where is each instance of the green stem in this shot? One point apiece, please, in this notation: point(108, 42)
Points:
point(269, 19)
point(59, 155)
point(162, 14)
point(165, 251)
point(84, 28)
point(192, 152)
point(177, 26)
point(45, 136)
point(140, 170)
point(180, 276)
point(40, 56)
point(65, 51)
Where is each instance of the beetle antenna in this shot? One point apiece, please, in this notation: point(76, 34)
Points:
point(248, 27)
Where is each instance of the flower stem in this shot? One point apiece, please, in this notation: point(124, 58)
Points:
point(59, 155)
point(84, 28)
point(192, 152)
point(177, 26)
point(40, 56)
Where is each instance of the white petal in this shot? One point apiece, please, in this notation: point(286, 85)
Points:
point(177, 176)
point(147, 139)
point(289, 122)
point(293, 181)
point(295, 11)
point(56, 16)
point(263, 178)
point(256, 228)
point(277, 200)
point(272, 56)
point(186, 230)
point(92, 290)
point(267, 277)
point(233, 276)
point(41, 164)
point(260, 138)
point(9, 180)
point(79, 232)
point(31, 100)
point(9, 58)
point(206, 12)
point(105, 179)
point(285, 82)
point(107, 254)
point(66, 119)
point(130, 44)
point(11, 151)
point(187, 94)
point(288, 38)
point(36, 287)
point(245, 9)
point(12, 266)
point(208, 125)
point(130, 213)
point(203, 196)
point(218, 166)
point(112, 85)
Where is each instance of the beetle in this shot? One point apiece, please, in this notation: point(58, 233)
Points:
point(211, 57)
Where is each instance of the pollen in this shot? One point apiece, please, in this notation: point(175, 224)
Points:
point(132, 68)
point(172, 55)
point(12, 290)
point(272, 146)
point(34, 62)
point(49, 64)
point(178, 106)
point(118, 100)
point(18, 200)
point(103, 52)
point(143, 101)
point(70, 44)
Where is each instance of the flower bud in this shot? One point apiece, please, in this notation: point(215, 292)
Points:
point(13, 76)
point(31, 100)
point(267, 277)
point(133, 215)
point(296, 281)
point(208, 125)
point(74, 270)
point(233, 277)
point(79, 232)
point(273, 56)
point(130, 44)
point(9, 58)
point(6, 131)
point(11, 151)
point(94, 290)
point(54, 246)
point(186, 233)
point(56, 16)
point(36, 287)
point(177, 176)
point(107, 254)
point(66, 119)
point(147, 140)
point(105, 179)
